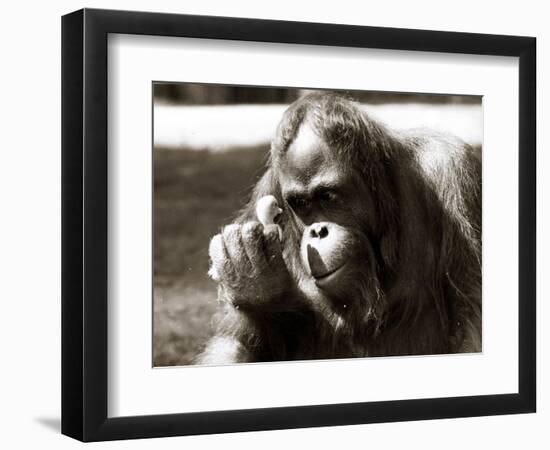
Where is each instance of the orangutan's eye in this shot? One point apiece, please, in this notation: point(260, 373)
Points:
point(297, 203)
point(326, 196)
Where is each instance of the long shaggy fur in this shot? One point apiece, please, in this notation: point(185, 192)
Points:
point(416, 284)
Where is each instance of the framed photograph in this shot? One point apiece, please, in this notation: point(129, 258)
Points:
point(273, 224)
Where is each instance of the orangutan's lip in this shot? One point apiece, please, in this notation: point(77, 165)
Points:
point(328, 277)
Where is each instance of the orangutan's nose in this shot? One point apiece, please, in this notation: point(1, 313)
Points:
point(318, 230)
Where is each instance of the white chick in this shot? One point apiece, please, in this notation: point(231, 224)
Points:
point(267, 209)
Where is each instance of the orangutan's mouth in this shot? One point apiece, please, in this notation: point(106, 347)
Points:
point(328, 277)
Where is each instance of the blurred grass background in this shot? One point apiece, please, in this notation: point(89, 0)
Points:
point(196, 193)
point(210, 147)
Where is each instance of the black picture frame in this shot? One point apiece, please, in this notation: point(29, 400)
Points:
point(84, 224)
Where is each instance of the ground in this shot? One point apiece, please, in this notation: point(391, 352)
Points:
point(195, 193)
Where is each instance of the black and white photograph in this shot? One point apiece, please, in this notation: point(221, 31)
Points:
point(275, 225)
point(304, 224)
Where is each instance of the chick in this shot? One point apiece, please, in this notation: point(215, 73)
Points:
point(267, 209)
